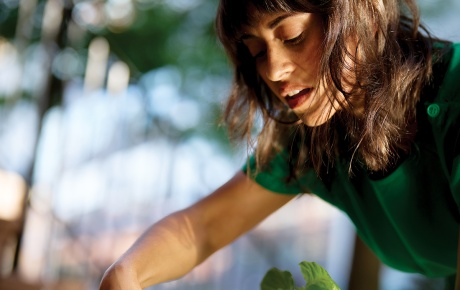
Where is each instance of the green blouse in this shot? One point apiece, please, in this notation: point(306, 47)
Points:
point(409, 218)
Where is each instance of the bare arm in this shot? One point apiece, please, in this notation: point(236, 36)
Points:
point(175, 245)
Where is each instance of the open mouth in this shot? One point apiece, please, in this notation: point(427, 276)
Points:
point(299, 98)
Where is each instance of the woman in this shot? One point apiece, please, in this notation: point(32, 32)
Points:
point(358, 106)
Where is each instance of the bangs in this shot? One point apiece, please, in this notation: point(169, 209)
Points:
point(233, 15)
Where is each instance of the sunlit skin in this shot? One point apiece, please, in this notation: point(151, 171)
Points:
point(287, 51)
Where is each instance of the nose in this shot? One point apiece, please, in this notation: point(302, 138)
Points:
point(279, 64)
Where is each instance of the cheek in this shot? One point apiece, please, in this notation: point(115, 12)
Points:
point(315, 58)
point(263, 77)
point(271, 86)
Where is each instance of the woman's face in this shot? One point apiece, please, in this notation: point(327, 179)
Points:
point(287, 49)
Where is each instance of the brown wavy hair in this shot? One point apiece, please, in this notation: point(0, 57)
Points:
point(393, 66)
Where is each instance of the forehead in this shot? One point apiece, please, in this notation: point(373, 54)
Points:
point(263, 20)
point(236, 15)
point(251, 14)
point(281, 25)
point(257, 16)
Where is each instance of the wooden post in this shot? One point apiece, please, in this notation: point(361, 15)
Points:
point(365, 268)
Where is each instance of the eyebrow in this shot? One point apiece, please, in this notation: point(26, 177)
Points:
point(271, 25)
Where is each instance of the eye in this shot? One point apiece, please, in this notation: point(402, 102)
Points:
point(259, 54)
point(296, 40)
point(256, 50)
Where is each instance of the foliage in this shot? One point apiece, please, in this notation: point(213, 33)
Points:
point(317, 278)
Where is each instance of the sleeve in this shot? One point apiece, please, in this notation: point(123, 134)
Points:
point(275, 177)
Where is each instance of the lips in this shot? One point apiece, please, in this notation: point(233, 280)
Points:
point(299, 98)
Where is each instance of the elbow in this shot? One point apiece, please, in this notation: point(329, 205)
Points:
point(119, 276)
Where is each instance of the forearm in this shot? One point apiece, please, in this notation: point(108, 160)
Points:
point(166, 251)
point(176, 244)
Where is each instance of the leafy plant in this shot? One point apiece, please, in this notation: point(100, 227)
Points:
point(317, 278)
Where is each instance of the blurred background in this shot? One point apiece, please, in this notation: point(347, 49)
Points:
point(109, 120)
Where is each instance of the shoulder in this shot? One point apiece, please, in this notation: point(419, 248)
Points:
point(439, 109)
point(450, 86)
point(444, 109)
point(275, 175)
point(441, 97)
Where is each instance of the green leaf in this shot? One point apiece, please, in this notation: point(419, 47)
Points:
point(322, 284)
point(317, 277)
point(276, 279)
